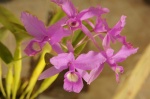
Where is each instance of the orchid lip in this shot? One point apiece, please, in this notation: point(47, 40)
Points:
point(73, 23)
point(36, 46)
point(72, 77)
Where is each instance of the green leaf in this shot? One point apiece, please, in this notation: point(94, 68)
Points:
point(8, 15)
point(58, 15)
point(2, 32)
point(9, 21)
point(78, 36)
point(80, 48)
point(5, 54)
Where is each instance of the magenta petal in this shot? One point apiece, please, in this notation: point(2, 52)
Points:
point(88, 33)
point(62, 60)
point(123, 53)
point(118, 70)
point(33, 26)
point(70, 47)
point(57, 48)
point(49, 72)
point(95, 73)
point(118, 27)
point(89, 61)
point(101, 25)
point(67, 7)
point(106, 42)
point(56, 32)
point(91, 12)
point(84, 74)
point(73, 86)
point(33, 47)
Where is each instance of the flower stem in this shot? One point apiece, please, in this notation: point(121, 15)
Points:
point(1, 83)
point(9, 80)
point(37, 71)
point(45, 84)
point(17, 70)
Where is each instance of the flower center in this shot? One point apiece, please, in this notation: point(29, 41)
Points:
point(36, 46)
point(74, 24)
point(117, 70)
point(72, 77)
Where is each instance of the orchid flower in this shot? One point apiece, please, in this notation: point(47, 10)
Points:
point(75, 19)
point(42, 34)
point(112, 59)
point(111, 34)
point(76, 67)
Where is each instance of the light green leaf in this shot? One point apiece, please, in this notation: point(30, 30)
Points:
point(58, 15)
point(5, 54)
point(8, 15)
point(80, 48)
point(9, 21)
point(2, 32)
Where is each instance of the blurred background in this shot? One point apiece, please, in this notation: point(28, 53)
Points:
point(137, 31)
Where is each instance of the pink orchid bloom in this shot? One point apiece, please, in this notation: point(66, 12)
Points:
point(73, 78)
point(74, 20)
point(112, 59)
point(111, 34)
point(43, 34)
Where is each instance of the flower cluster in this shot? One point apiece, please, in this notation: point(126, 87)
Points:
point(78, 67)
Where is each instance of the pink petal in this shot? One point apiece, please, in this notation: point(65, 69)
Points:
point(118, 27)
point(57, 48)
point(56, 32)
point(33, 26)
point(118, 70)
point(84, 74)
point(101, 25)
point(89, 61)
point(91, 12)
point(106, 42)
point(94, 73)
point(73, 86)
point(49, 72)
point(62, 60)
point(67, 6)
point(123, 53)
point(88, 33)
point(70, 47)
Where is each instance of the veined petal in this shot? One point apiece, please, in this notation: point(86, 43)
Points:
point(123, 53)
point(33, 26)
point(91, 12)
point(89, 61)
point(67, 6)
point(34, 47)
point(73, 82)
point(95, 73)
point(62, 60)
point(49, 72)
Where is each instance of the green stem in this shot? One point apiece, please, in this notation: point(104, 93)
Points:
point(37, 71)
point(45, 84)
point(9, 80)
point(1, 83)
point(17, 70)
